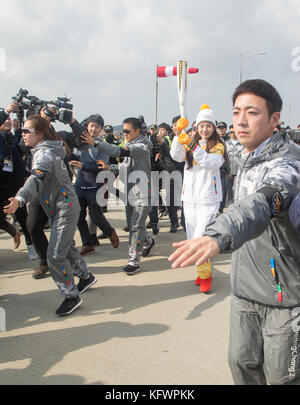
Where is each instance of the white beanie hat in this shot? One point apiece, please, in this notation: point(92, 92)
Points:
point(205, 114)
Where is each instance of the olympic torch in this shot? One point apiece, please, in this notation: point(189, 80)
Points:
point(182, 76)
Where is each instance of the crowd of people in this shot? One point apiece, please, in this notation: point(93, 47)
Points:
point(236, 190)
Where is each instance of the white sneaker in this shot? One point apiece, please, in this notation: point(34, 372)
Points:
point(32, 255)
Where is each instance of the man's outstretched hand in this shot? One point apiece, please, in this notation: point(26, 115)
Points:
point(194, 251)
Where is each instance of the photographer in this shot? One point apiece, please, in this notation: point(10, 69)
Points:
point(4, 114)
point(12, 177)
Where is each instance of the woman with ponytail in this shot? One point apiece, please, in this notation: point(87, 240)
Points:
point(50, 183)
point(204, 154)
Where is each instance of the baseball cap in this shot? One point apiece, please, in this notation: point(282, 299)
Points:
point(222, 124)
point(108, 128)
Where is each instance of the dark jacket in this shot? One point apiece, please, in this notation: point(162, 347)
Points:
point(87, 176)
point(166, 161)
point(10, 152)
point(155, 165)
point(3, 117)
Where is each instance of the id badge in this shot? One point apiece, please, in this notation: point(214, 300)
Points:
point(8, 166)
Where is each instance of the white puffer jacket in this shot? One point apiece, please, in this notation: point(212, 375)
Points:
point(202, 182)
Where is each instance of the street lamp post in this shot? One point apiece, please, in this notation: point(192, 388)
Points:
point(245, 59)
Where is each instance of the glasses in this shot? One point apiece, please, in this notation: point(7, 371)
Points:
point(126, 131)
point(28, 131)
point(194, 128)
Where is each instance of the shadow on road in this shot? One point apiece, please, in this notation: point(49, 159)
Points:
point(45, 349)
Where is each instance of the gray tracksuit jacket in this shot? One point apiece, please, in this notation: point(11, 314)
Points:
point(257, 229)
point(138, 161)
point(51, 185)
point(49, 181)
point(135, 173)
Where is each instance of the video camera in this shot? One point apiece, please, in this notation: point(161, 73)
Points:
point(61, 105)
point(63, 110)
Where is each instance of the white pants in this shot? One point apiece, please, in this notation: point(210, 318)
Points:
point(197, 217)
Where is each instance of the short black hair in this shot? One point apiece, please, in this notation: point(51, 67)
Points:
point(166, 126)
point(134, 122)
point(175, 119)
point(93, 118)
point(262, 89)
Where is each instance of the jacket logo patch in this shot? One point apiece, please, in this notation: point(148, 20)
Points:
point(276, 205)
point(38, 173)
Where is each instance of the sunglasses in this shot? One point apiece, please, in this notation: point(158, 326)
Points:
point(28, 131)
point(126, 131)
point(194, 128)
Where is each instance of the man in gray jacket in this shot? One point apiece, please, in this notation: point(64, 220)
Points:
point(135, 173)
point(265, 276)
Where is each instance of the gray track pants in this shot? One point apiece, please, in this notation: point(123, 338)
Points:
point(139, 237)
point(63, 258)
point(264, 344)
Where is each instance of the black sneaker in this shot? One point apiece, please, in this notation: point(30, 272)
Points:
point(173, 228)
point(131, 269)
point(146, 251)
point(68, 306)
point(94, 240)
point(83, 285)
point(149, 225)
point(155, 229)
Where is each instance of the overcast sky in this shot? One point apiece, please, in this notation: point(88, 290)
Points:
point(103, 53)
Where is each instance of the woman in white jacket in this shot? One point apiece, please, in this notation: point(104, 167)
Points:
point(204, 154)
